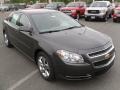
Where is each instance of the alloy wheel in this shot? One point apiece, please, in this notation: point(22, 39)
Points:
point(43, 66)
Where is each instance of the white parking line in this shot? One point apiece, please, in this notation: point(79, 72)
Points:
point(17, 84)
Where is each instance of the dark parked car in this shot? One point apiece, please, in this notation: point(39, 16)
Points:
point(18, 6)
point(55, 5)
point(59, 44)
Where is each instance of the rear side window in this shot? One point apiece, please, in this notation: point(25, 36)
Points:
point(15, 18)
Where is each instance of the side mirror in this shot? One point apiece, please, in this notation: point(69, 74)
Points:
point(25, 29)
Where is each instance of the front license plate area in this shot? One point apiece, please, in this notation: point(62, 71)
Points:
point(92, 17)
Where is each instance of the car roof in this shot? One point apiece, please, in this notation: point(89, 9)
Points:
point(35, 11)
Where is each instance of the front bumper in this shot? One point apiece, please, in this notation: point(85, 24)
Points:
point(95, 16)
point(83, 71)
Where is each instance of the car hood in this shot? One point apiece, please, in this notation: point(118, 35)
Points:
point(69, 8)
point(76, 39)
point(96, 8)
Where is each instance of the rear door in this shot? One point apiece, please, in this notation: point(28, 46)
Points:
point(12, 28)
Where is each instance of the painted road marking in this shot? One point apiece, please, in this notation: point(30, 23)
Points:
point(17, 84)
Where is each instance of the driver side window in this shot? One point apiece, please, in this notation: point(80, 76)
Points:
point(24, 21)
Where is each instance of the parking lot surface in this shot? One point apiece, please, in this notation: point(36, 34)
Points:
point(17, 72)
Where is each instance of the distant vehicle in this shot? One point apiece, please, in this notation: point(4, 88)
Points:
point(18, 6)
point(99, 10)
point(37, 6)
point(55, 5)
point(60, 46)
point(116, 15)
point(4, 8)
point(75, 9)
point(11, 7)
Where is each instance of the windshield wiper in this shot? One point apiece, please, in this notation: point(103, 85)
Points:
point(49, 31)
point(62, 29)
point(74, 27)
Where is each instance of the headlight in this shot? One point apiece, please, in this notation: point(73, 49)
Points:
point(69, 57)
point(73, 11)
point(86, 11)
point(103, 11)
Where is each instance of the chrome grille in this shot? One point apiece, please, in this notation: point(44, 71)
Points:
point(101, 52)
point(94, 11)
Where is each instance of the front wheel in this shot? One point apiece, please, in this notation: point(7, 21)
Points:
point(6, 40)
point(86, 19)
point(105, 18)
point(45, 66)
point(114, 20)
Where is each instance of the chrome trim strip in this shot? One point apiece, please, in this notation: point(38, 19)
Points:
point(104, 65)
point(91, 57)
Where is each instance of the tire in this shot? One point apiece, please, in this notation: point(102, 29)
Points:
point(110, 15)
point(45, 66)
point(114, 20)
point(86, 19)
point(7, 41)
point(105, 18)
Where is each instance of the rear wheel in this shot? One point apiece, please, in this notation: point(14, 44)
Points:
point(6, 40)
point(45, 66)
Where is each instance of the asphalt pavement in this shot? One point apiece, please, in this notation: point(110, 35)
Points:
point(17, 72)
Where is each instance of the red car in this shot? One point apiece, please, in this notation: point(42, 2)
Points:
point(116, 15)
point(75, 9)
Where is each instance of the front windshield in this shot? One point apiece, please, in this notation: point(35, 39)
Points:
point(75, 4)
point(99, 4)
point(53, 21)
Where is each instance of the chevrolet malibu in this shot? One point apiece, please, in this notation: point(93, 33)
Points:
point(61, 47)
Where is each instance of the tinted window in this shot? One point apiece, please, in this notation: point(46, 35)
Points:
point(24, 21)
point(14, 18)
point(53, 21)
